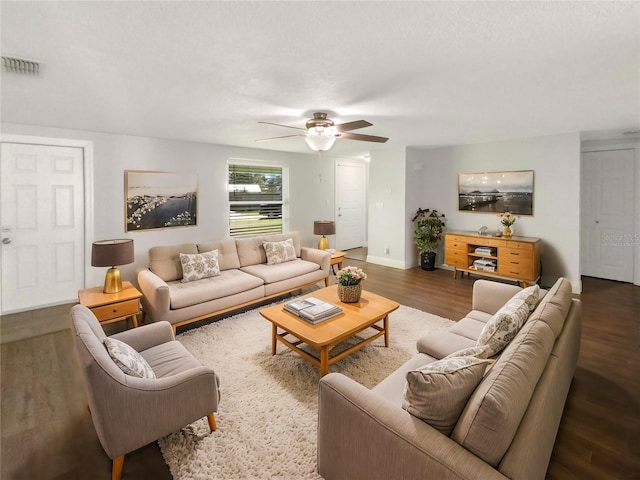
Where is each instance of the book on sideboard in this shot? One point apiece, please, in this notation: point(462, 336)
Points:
point(312, 309)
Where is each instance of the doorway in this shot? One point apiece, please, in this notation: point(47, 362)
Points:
point(608, 214)
point(42, 222)
point(351, 211)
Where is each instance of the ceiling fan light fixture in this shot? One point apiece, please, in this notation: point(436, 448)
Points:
point(321, 141)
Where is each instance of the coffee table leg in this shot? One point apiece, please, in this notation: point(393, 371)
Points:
point(324, 361)
point(274, 334)
point(386, 331)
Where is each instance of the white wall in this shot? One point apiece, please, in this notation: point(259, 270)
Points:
point(387, 209)
point(311, 187)
point(413, 200)
point(556, 211)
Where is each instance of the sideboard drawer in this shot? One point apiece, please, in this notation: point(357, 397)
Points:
point(116, 310)
point(456, 258)
point(528, 246)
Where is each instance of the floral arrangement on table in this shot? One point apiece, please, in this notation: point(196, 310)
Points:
point(507, 219)
point(349, 284)
point(428, 229)
point(351, 276)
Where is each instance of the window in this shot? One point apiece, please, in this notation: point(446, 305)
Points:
point(257, 197)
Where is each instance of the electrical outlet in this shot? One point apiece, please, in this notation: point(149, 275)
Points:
point(387, 250)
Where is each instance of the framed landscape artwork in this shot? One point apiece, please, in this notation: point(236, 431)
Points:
point(159, 200)
point(496, 192)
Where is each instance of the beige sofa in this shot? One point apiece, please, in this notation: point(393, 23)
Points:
point(245, 278)
point(507, 428)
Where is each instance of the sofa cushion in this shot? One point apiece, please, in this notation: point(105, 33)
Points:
point(279, 252)
point(468, 327)
point(492, 415)
point(165, 261)
point(127, 359)
point(227, 252)
point(251, 251)
point(199, 265)
point(505, 324)
point(440, 344)
point(227, 283)
point(281, 271)
point(438, 391)
point(557, 300)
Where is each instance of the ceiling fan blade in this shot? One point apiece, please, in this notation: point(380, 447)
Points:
point(276, 138)
point(285, 126)
point(364, 138)
point(345, 127)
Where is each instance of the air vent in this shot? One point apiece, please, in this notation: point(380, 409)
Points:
point(21, 66)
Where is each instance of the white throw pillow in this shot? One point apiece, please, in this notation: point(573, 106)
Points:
point(199, 265)
point(507, 322)
point(438, 392)
point(127, 359)
point(279, 252)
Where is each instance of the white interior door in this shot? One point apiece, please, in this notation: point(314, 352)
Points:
point(607, 214)
point(42, 225)
point(351, 211)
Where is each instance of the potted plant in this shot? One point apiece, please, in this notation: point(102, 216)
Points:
point(349, 284)
point(428, 230)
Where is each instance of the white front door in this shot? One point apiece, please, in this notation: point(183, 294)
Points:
point(42, 225)
point(350, 205)
point(607, 214)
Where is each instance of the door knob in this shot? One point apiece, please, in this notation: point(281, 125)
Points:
point(6, 240)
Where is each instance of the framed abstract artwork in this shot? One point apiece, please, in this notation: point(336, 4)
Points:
point(156, 200)
point(496, 192)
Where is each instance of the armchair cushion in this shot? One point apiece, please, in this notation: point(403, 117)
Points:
point(127, 359)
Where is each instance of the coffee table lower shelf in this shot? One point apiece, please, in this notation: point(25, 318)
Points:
point(325, 361)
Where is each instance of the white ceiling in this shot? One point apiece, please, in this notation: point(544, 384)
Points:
point(424, 73)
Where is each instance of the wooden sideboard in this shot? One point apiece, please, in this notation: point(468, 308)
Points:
point(515, 258)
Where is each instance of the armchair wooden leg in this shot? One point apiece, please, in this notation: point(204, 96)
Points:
point(116, 470)
point(212, 422)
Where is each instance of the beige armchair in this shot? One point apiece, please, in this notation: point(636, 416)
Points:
point(128, 412)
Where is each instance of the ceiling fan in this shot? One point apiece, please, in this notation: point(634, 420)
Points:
point(321, 132)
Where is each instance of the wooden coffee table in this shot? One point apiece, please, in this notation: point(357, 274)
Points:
point(323, 336)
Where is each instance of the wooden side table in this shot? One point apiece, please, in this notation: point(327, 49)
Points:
point(337, 258)
point(113, 307)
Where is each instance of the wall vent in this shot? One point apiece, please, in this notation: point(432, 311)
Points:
point(21, 66)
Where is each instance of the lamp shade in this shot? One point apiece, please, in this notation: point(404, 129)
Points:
point(324, 227)
point(109, 253)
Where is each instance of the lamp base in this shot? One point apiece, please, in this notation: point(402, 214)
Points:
point(112, 281)
point(323, 243)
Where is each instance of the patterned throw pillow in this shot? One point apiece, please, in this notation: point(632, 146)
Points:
point(199, 265)
point(279, 252)
point(531, 296)
point(438, 392)
point(477, 351)
point(507, 322)
point(127, 359)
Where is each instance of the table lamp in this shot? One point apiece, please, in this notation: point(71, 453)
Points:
point(111, 253)
point(324, 227)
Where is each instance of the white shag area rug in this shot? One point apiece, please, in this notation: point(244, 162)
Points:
point(269, 409)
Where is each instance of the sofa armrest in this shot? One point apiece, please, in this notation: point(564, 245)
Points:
point(321, 257)
point(398, 445)
point(146, 336)
point(489, 296)
point(155, 291)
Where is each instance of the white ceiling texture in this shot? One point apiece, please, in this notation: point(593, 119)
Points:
point(424, 73)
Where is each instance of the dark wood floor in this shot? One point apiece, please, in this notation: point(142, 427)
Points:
point(47, 432)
